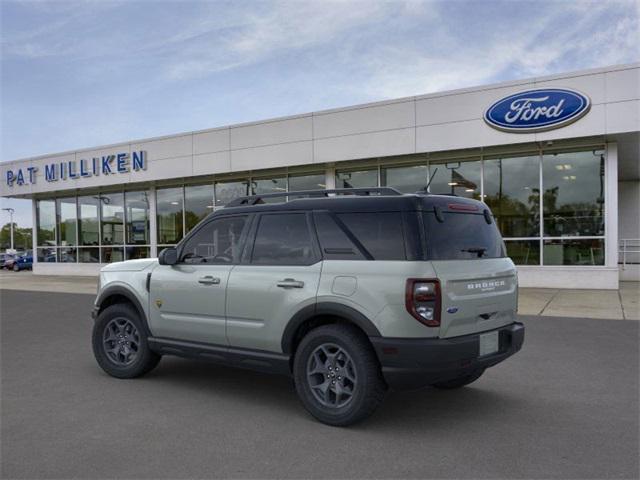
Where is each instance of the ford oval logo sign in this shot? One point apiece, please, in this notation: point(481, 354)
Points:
point(537, 110)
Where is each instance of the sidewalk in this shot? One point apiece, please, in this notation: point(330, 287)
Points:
point(25, 280)
point(623, 304)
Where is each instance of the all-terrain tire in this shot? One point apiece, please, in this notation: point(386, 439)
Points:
point(120, 344)
point(360, 378)
point(460, 381)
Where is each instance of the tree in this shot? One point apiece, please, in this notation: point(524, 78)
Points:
point(21, 237)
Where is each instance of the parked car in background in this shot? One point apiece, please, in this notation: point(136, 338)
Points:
point(7, 260)
point(23, 262)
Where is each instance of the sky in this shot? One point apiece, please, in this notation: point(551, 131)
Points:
point(86, 73)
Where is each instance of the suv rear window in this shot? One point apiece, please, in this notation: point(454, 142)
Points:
point(462, 236)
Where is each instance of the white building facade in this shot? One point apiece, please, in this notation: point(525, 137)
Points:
point(556, 158)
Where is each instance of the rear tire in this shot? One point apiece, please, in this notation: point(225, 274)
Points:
point(337, 375)
point(460, 381)
point(120, 343)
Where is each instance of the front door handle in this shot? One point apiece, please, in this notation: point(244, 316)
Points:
point(290, 283)
point(209, 280)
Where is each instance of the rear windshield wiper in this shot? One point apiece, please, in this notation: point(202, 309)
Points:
point(480, 251)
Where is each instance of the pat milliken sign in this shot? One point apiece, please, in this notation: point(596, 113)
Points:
point(537, 110)
point(117, 163)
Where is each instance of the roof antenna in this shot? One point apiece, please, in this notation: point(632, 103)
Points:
point(426, 187)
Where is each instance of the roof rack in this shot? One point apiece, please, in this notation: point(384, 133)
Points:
point(257, 199)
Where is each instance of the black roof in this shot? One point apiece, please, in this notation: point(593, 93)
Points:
point(386, 201)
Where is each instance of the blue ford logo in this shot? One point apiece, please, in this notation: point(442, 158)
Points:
point(537, 110)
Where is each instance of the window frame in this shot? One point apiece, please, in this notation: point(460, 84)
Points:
point(128, 220)
point(406, 246)
point(38, 222)
point(101, 219)
point(203, 224)
point(361, 254)
point(316, 255)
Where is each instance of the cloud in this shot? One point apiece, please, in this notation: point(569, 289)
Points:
point(544, 45)
point(286, 27)
point(404, 47)
point(99, 72)
point(114, 71)
point(52, 29)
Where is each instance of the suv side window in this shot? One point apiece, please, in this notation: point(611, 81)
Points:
point(380, 233)
point(283, 239)
point(334, 241)
point(218, 241)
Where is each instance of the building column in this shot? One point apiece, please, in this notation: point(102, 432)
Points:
point(153, 225)
point(34, 232)
point(330, 177)
point(611, 205)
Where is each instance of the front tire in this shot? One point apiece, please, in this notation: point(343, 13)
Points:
point(16, 268)
point(120, 343)
point(337, 375)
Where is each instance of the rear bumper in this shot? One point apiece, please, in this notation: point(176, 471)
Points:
point(410, 363)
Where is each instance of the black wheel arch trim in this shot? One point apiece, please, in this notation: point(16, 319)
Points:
point(329, 309)
point(122, 291)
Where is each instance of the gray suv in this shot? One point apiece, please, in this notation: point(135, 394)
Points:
point(350, 292)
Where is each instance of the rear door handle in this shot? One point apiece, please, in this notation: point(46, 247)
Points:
point(290, 283)
point(209, 280)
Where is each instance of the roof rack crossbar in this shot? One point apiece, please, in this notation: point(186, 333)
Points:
point(257, 199)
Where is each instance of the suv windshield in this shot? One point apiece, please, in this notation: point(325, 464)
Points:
point(461, 236)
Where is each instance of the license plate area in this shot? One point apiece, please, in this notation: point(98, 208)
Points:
point(489, 343)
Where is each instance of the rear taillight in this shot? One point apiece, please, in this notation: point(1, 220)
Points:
point(422, 299)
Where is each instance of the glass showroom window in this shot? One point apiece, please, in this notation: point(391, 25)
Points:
point(112, 254)
point(46, 222)
point(198, 203)
point(88, 229)
point(573, 198)
point(512, 191)
point(137, 224)
point(461, 178)
point(112, 227)
point(405, 179)
point(314, 181)
point(46, 230)
point(573, 208)
point(357, 179)
point(67, 229)
point(169, 217)
point(228, 191)
point(574, 251)
point(269, 185)
point(523, 252)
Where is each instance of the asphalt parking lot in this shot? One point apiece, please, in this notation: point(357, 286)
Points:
point(565, 406)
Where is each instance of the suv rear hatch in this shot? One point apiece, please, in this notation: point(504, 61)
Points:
point(478, 283)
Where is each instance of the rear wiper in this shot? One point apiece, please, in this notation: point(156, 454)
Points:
point(478, 250)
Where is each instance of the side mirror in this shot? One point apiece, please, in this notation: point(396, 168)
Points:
point(168, 256)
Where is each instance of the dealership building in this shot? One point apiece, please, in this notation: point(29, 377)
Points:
point(556, 158)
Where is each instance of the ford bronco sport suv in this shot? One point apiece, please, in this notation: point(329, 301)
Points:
point(350, 292)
